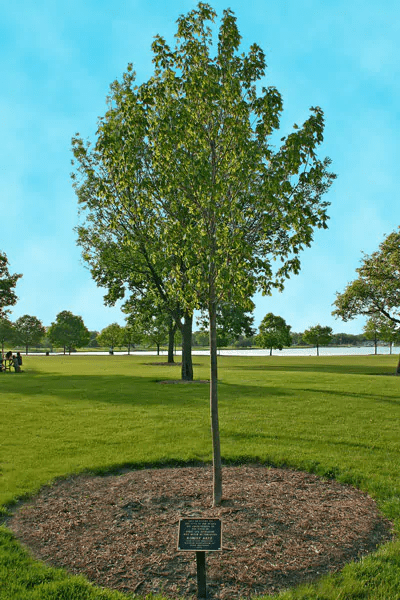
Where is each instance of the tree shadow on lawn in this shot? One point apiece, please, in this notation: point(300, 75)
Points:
point(346, 394)
point(110, 389)
point(261, 391)
point(140, 391)
point(288, 438)
point(347, 369)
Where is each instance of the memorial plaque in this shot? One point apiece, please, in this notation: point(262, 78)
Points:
point(200, 534)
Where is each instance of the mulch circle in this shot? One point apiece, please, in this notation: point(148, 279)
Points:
point(280, 528)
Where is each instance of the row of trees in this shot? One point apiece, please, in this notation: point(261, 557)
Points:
point(69, 332)
point(274, 333)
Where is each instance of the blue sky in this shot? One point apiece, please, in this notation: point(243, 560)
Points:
point(57, 61)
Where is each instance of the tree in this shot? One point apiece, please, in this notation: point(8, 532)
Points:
point(318, 336)
point(156, 331)
point(233, 321)
point(347, 339)
point(93, 343)
point(297, 338)
point(68, 331)
point(130, 337)
point(147, 315)
point(7, 333)
point(200, 338)
point(7, 285)
point(376, 291)
point(371, 332)
point(121, 237)
point(382, 329)
point(110, 336)
point(389, 332)
point(186, 161)
point(274, 333)
point(29, 331)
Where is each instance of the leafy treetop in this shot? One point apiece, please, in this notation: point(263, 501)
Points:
point(376, 291)
point(7, 285)
point(274, 333)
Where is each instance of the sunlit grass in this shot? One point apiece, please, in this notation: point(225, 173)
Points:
point(335, 416)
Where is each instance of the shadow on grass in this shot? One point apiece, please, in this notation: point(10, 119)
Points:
point(345, 369)
point(246, 435)
point(107, 388)
point(137, 390)
point(378, 397)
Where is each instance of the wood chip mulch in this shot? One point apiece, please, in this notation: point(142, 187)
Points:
point(279, 528)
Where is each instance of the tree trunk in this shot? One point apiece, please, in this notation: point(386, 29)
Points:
point(171, 340)
point(158, 349)
point(398, 367)
point(26, 350)
point(187, 364)
point(217, 466)
point(317, 350)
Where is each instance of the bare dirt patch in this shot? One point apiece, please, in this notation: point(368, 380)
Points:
point(280, 528)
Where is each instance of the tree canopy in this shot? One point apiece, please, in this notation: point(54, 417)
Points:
point(232, 322)
point(68, 331)
point(111, 336)
point(8, 282)
point(185, 195)
point(274, 333)
point(318, 336)
point(376, 291)
point(29, 330)
point(7, 333)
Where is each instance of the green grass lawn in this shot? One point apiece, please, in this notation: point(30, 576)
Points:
point(334, 416)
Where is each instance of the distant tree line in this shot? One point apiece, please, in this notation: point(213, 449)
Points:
point(235, 329)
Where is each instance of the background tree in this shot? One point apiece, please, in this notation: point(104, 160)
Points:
point(200, 338)
point(121, 235)
point(318, 336)
point(7, 333)
point(156, 331)
point(245, 342)
point(68, 331)
point(93, 343)
point(377, 289)
point(148, 315)
point(110, 336)
point(380, 328)
point(297, 338)
point(274, 333)
point(186, 161)
point(233, 321)
point(389, 332)
point(29, 331)
point(130, 337)
point(7, 285)
point(347, 339)
point(371, 332)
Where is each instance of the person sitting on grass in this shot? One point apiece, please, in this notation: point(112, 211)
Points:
point(17, 368)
